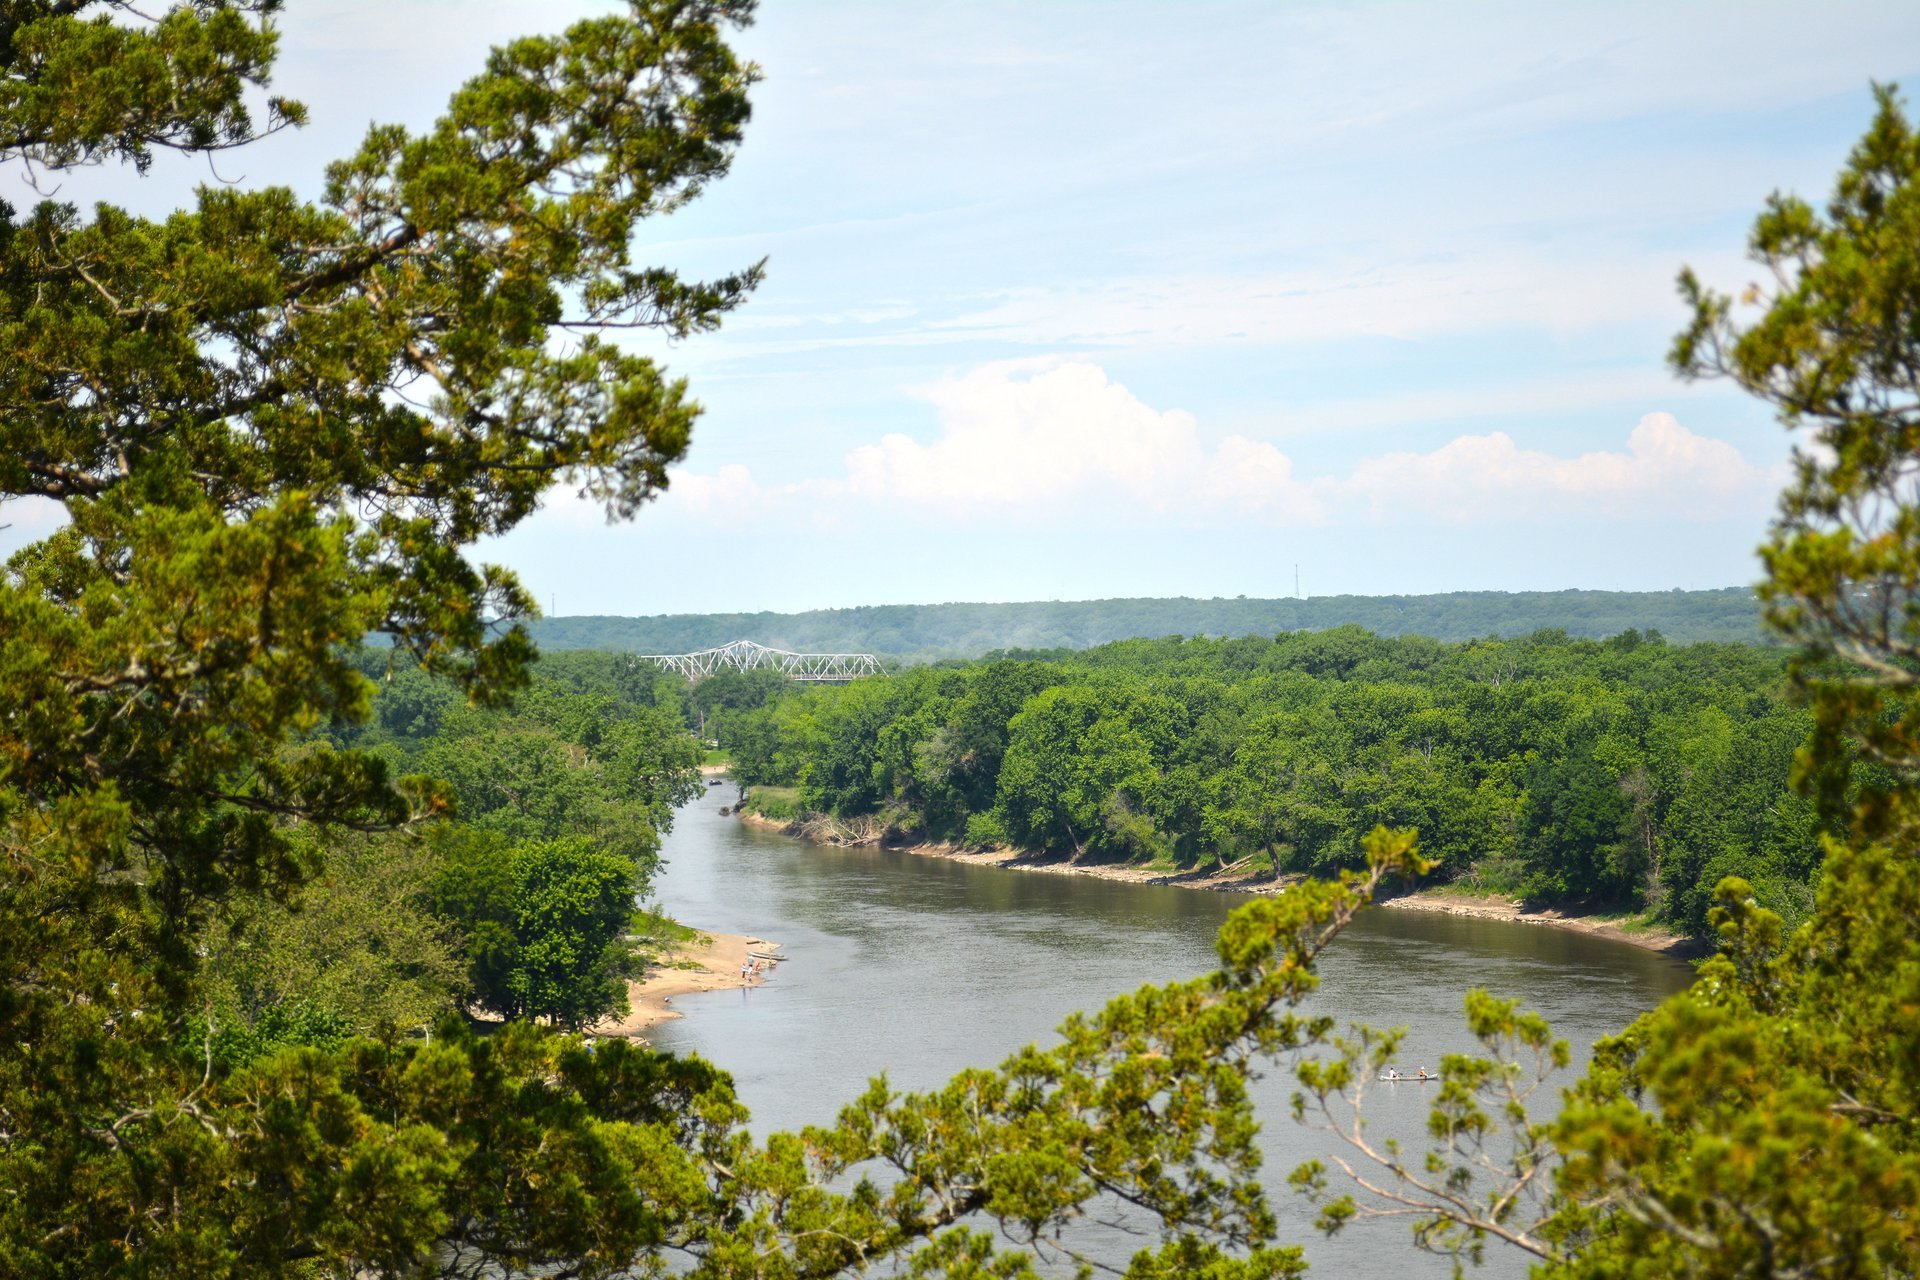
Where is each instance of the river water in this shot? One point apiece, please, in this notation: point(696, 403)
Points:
point(920, 966)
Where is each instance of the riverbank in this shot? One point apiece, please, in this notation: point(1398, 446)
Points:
point(710, 963)
point(1444, 901)
point(1496, 907)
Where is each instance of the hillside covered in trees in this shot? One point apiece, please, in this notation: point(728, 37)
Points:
point(924, 631)
point(1626, 771)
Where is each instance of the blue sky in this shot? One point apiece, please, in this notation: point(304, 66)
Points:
point(1077, 300)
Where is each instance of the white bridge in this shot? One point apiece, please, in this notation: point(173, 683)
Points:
point(745, 655)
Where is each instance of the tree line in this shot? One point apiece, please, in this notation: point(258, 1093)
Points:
point(928, 632)
point(1625, 771)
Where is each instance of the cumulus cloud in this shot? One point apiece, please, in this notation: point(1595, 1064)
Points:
point(1665, 470)
point(1041, 439)
point(1025, 432)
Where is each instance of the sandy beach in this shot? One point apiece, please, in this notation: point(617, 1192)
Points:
point(717, 958)
point(1495, 907)
point(1492, 907)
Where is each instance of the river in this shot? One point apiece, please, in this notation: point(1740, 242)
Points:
point(920, 966)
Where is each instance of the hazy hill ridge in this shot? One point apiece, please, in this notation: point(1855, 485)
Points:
point(927, 631)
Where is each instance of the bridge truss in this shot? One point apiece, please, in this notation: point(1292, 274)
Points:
point(745, 655)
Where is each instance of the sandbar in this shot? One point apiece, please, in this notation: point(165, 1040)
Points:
point(715, 959)
point(1496, 907)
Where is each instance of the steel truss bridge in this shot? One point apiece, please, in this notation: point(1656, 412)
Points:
point(745, 655)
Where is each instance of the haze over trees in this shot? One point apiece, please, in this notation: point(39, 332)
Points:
point(276, 426)
point(924, 632)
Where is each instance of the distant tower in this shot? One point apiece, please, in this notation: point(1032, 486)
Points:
point(1296, 580)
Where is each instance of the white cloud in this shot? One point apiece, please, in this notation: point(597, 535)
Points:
point(1048, 441)
point(1019, 433)
point(1665, 471)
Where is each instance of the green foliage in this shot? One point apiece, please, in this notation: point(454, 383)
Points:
point(1070, 762)
point(1627, 772)
point(929, 632)
point(1775, 1111)
point(659, 932)
point(1576, 829)
point(274, 427)
point(1763, 1122)
point(396, 1158)
point(586, 750)
point(397, 931)
point(358, 952)
point(777, 804)
point(1834, 352)
point(284, 1024)
point(544, 924)
point(985, 832)
point(83, 92)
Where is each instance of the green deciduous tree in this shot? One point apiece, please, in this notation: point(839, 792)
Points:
point(1071, 754)
point(360, 951)
point(1279, 797)
point(1576, 832)
point(545, 923)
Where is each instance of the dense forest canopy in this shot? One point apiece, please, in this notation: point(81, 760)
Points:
point(921, 632)
point(517, 900)
point(1624, 772)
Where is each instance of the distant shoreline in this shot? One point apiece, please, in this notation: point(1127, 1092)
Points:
point(1442, 901)
point(962, 629)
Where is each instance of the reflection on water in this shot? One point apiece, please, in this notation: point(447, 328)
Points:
point(919, 966)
